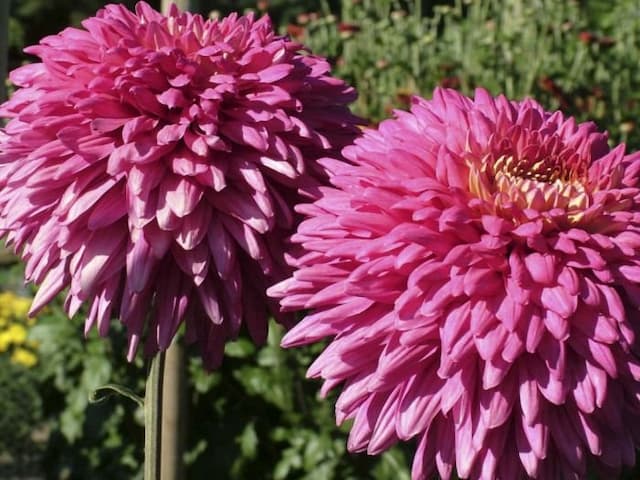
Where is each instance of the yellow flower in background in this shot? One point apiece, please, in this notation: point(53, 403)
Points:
point(17, 333)
point(14, 329)
point(22, 356)
point(21, 307)
point(5, 341)
point(6, 302)
point(5, 308)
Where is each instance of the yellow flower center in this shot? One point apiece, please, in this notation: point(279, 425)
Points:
point(537, 185)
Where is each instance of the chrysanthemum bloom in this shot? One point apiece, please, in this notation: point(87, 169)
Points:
point(478, 269)
point(150, 163)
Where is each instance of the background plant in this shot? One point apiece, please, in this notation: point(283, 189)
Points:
point(580, 56)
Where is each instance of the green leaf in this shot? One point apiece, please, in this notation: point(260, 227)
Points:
point(103, 392)
point(249, 441)
point(241, 348)
point(71, 425)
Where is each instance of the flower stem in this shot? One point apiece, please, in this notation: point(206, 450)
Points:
point(174, 413)
point(152, 418)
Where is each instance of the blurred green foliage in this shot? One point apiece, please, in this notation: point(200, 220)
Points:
point(579, 56)
point(21, 407)
point(86, 438)
point(258, 417)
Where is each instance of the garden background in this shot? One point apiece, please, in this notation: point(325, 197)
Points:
point(257, 417)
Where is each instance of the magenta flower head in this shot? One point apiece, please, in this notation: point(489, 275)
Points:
point(150, 163)
point(478, 269)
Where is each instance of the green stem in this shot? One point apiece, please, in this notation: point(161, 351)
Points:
point(174, 413)
point(152, 418)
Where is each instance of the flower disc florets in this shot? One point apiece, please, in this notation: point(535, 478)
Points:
point(478, 267)
point(150, 162)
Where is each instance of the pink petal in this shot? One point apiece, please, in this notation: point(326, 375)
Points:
point(558, 300)
point(181, 195)
point(541, 267)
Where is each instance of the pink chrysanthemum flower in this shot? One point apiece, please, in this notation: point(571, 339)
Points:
point(478, 267)
point(150, 163)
